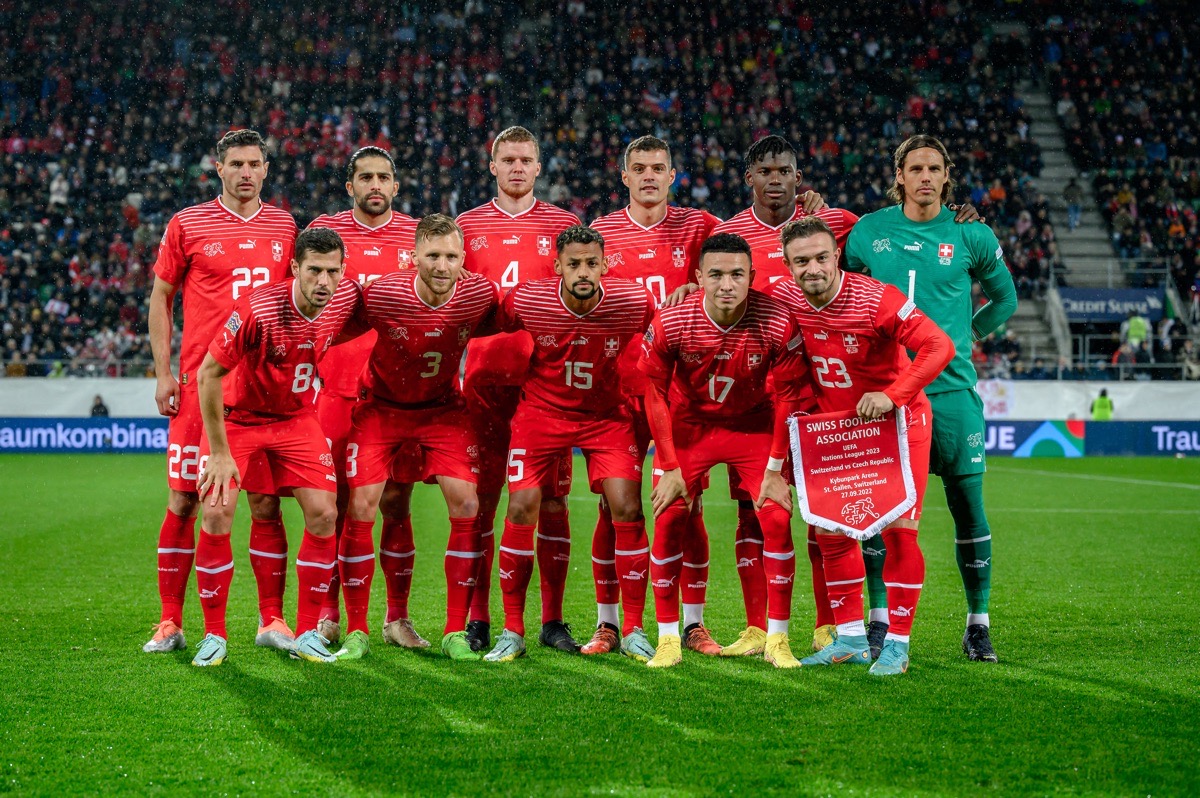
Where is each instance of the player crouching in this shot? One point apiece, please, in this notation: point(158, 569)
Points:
point(272, 344)
point(855, 331)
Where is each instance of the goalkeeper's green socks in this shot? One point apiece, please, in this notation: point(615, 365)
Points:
point(873, 554)
point(972, 539)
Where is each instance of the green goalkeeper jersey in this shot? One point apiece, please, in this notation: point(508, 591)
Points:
point(934, 263)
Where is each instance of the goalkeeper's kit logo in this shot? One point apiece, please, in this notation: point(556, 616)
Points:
point(872, 552)
point(881, 244)
point(979, 563)
point(975, 440)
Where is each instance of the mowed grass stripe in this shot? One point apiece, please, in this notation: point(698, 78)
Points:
point(1094, 618)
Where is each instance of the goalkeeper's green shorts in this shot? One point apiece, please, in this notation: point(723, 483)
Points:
point(958, 434)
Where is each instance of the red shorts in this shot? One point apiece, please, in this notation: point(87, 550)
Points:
point(491, 409)
point(293, 451)
point(700, 447)
point(334, 413)
point(920, 439)
point(540, 442)
point(410, 445)
point(185, 430)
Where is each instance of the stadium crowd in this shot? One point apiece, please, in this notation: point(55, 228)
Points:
point(104, 137)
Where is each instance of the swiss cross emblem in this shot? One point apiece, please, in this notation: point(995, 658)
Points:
point(753, 359)
point(945, 254)
point(850, 340)
point(277, 251)
point(543, 244)
point(612, 347)
point(677, 257)
point(404, 258)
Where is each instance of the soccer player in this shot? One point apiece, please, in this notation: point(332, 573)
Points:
point(580, 325)
point(773, 177)
point(272, 344)
point(214, 253)
point(915, 246)
point(855, 331)
point(707, 362)
point(658, 245)
point(424, 317)
point(510, 240)
point(379, 241)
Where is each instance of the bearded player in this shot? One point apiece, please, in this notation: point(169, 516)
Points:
point(510, 240)
point(707, 361)
point(915, 246)
point(379, 241)
point(658, 245)
point(855, 331)
point(215, 253)
point(580, 325)
point(412, 401)
point(271, 345)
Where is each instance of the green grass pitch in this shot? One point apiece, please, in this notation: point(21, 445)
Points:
point(1094, 611)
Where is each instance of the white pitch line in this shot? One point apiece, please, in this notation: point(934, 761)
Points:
point(1083, 511)
point(1099, 478)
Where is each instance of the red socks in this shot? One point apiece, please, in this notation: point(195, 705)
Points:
point(844, 575)
point(330, 608)
point(633, 566)
point(693, 579)
point(462, 564)
point(604, 562)
point(747, 548)
point(554, 560)
point(176, 550)
point(666, 564)
point(482, 594)
point(397, 553)
point(214, 573)
point(268, 560)
point(516, 568)
point(315, 564)
point(904, 575)
point(779, 560)
point(356, 566)
point(820, 595)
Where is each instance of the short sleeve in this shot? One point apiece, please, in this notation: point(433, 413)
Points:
point(238, 335)
point(172, 263)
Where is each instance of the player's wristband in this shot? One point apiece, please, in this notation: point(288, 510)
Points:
point(774, 463)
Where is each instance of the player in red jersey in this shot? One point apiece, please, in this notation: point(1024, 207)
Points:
point(510, 240)
point(580, 325)
point(271, 346)
point(657, 244)
point(707, 362)
point(412, 400)
point(855, 331)
point(379, 241)
point(214, 253)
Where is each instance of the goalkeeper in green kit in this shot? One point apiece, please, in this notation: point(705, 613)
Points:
point(916, 246)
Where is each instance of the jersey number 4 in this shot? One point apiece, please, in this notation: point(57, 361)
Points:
point(841, 377)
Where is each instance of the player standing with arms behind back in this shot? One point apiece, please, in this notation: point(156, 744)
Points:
point(916, 246)
point(510, 240)
point(379, 241)
point(214, 253)
point(657, 244)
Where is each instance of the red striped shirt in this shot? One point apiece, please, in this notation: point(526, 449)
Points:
point(765, 247)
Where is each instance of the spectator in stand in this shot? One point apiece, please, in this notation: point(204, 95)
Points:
point(1189, 357)
point(1073, 196)
point(99, 409)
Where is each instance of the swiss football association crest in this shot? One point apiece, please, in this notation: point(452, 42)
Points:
point(277, 251)
point(945, 254)
point(478, 243)
point(614, 260)
point(678, 257)
point(850, 340)
point(543, 244)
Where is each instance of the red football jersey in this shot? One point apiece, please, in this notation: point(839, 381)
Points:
point(765, 247)
point(857, 342)
point(371, 252)
point(415, 359)
point(215, 257)
point(509, 250)
point(272, 350)
point(719, 374)
point(574, 363)
point(662, 257)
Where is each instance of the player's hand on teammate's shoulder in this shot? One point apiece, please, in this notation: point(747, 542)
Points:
point(166, 395)
point(812, 202)
point(219, 471)
point(679, 294)
point(774, 488)
point(874, 404)
point(669, 488)
point(965, 213)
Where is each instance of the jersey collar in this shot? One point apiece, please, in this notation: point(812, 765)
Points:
point(778, 226)
point(635, 223)
point(841, 287)
point(238, 216)
point(453, 291)
point(561, 301)
point(292, 296)
point(496, 205)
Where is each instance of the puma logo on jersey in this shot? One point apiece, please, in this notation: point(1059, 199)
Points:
point(915, 246)
point(373, 252)
point(648, 254)
point(580, 341)
point(511, 241)
point(724, 356)
point(434, 333)
point(247, 244)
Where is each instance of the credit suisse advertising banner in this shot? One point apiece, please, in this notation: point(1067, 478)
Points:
point(1111, 304)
